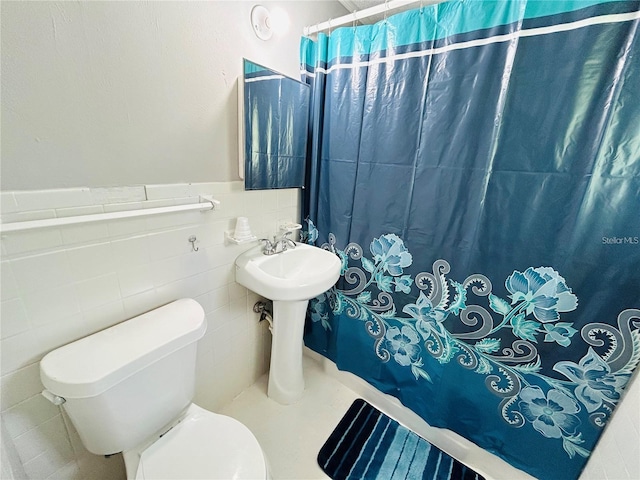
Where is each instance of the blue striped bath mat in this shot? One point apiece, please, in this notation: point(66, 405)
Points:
point(368, 445)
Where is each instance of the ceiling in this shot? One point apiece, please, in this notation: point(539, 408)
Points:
point(352, 5)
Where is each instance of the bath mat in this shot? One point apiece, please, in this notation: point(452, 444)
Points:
point(368, 445)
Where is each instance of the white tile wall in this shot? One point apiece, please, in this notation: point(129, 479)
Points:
point(58, 198)
point(60, 284)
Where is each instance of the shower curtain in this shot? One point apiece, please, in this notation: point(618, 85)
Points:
point(476, 167)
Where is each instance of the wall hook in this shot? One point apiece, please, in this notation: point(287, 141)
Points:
point(192, 240)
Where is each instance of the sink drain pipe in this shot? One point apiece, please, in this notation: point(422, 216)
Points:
point(265, 309)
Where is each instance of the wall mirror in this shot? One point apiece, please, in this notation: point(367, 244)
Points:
point(273, 118)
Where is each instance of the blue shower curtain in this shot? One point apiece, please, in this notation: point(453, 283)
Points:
point(476, 167)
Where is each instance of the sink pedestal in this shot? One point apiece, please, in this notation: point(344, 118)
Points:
point(286, 383)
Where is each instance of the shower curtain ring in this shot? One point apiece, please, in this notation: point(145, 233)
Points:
point(386, 10)
point(330, 26)
point(355, 19)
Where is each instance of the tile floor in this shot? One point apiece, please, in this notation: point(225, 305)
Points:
point(292, 435)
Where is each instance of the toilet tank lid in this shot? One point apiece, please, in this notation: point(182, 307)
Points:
point(93, 364)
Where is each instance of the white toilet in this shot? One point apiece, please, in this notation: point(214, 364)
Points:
point(129, 389)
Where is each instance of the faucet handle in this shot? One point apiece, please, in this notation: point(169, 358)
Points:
point(269, 246)
point(287, 241)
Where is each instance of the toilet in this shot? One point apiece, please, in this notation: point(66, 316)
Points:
point(129, 389)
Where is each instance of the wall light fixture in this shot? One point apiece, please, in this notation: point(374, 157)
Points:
point(266, 23)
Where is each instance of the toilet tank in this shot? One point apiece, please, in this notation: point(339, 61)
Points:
point(124, 383)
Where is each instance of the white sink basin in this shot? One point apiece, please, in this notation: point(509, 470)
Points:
point(295, 274)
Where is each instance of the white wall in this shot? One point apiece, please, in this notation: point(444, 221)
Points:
point(122, 93)
point(129, 96)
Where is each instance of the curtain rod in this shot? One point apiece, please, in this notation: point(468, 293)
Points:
point(362, 14)
point(207, 202)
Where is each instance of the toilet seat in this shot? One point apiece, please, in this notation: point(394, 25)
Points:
point(204, 445)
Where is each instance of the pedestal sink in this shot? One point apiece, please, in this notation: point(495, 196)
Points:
point(290, 279)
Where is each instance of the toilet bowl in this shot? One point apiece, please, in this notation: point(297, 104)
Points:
point(129, 389)
point(200, 445)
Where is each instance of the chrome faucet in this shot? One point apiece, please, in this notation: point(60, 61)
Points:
point(269, 247)
point(274, 246)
